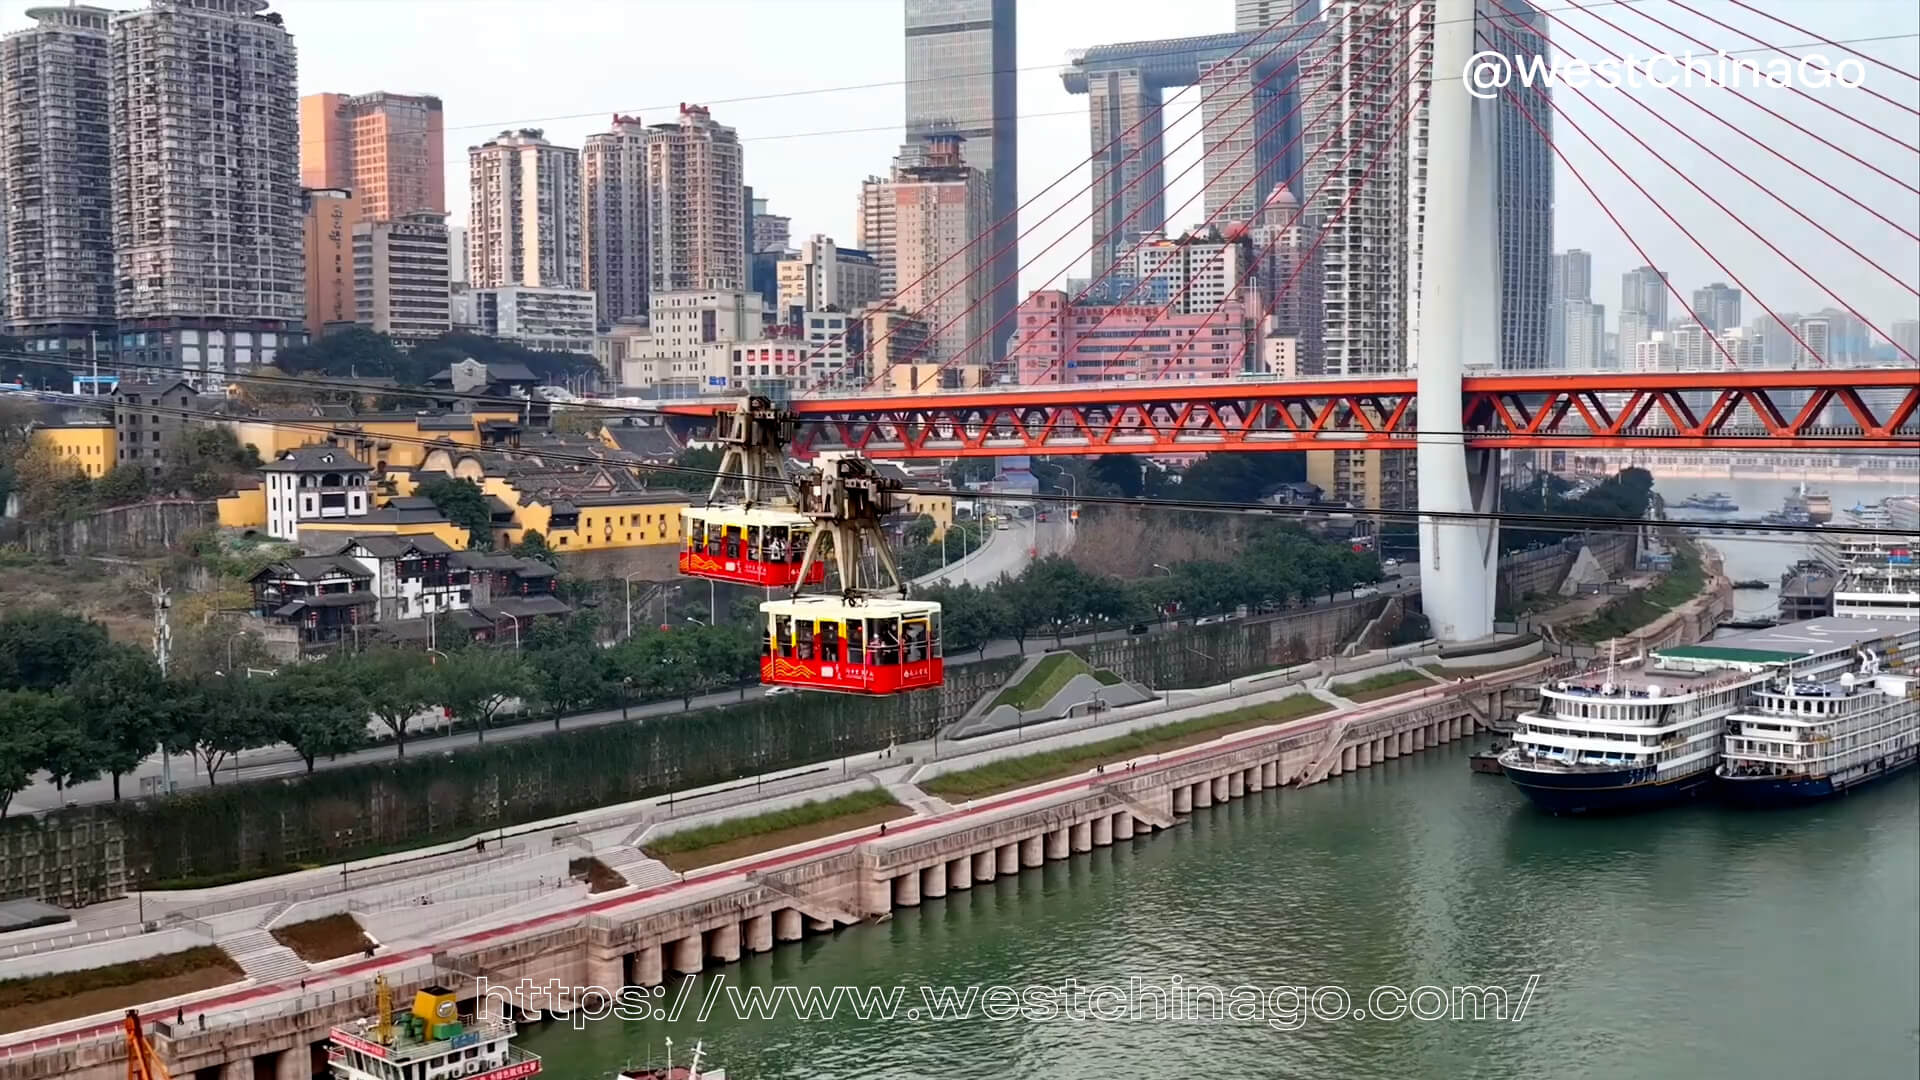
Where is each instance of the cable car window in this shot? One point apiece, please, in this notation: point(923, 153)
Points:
point(886, 640)
point(777, 544)
point(696, 534)
point(753, 542)
point(916, 638)
point(798, 550)
point(713, 542)
point(856, 642)
point(783, 633)
point(733, 541)
point(830, 642)
point(809, 639)
point(935, 622)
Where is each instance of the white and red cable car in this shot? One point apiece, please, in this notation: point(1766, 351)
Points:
point(752, 536)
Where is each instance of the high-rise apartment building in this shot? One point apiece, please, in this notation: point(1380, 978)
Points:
point(1643, 310)
point(1717, 307)
point(962, 80)
point(1258, 15)
point(875, 231)
point(388, 149)
point(57, 184)
point(771, 232)
point(1061, 342)
point(524, 224)
point(331, 214)
point(1288, 284)
point(1905, 334)
point(1573, 328)
point(1197, 272)
point(1523, 197)
point(937, 209)
point(207, 220)
point(550, 320)
point(822, 275)
point(613, 234)
point(401, 276)
point(1246, 129)
point(695, 219)
point(457, 254)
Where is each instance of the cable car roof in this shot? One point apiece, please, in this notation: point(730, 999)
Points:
point(741, 515)
point(827, 607)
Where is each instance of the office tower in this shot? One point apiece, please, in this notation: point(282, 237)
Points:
point(388, 149)
point(207, 218)
point(1815, 347)
point(457, 254)
point(1288, 281)
point(934, 210)
point(1652, 354)
point(1083, 345)
point(1905, 334)
point(524, 225)
point(961, 80)
point(613, 233)
point(822, 275)
point(1643, 309)
point(402, 277)
point(1197, 272)
point(1572, 341)
point(1524, 200)
point(1245, 129)
point(1717, 307)
point(771, 232)
point(695, 219)
point(331, 214)
point(57, 181)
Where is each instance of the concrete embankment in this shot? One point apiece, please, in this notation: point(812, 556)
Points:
point(644, 936)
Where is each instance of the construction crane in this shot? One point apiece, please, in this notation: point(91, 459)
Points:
point(143, 1063)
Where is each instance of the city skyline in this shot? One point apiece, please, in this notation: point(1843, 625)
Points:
point(864, 128)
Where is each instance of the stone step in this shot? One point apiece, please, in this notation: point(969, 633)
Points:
point(270, 964)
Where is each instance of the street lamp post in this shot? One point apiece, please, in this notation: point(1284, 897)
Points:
point(515, 620)
point(627, 581)
point(231, 638)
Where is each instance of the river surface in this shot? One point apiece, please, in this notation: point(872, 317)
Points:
point(1696, 942)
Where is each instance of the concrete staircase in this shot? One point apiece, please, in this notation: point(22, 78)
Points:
point(1329, 754)
point(261, 957)
point(640, 869)
point(268, 916)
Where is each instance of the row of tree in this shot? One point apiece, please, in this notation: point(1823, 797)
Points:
point(203, 463)
point(361, 353)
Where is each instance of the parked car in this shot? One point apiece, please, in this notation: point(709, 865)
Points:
point(1138, 629)
point(1365, 591)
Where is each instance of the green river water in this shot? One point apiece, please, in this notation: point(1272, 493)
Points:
point(1696, 942)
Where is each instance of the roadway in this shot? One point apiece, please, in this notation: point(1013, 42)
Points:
point(271, 762)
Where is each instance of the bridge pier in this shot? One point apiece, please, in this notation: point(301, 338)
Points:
point(1057, 848)
point(726, 943)
point(906, 889)
point(960, 873)
point(933, 881)
point(787, 925)
point(1123, 826)
point(1103, 831)
point(294, 1064)
point(1081, 836)
point(1183, 799)
point(688, 958)
point(1032, 851)
point(760, 934)
point(1203, 795)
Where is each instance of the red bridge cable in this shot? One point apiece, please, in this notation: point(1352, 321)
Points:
point(1728, 124)
point(1722, 207)
point(1801, 128)
point(1762, 188)
point(1014, 216)
point(1326, 229)
point(1825, 40)
point(1288, 183)
point(987, 334)
point(1870, 92)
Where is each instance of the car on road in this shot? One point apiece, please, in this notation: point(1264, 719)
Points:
point(1002, 527)
point(779, 691)
point(1138, 629)
point(1389, 563)
point(1365, 591)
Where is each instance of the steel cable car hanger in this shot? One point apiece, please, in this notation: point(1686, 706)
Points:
point(749, 532)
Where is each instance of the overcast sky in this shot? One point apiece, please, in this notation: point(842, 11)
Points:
point(567, 65)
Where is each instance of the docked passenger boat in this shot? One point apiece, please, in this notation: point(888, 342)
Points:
point(1651, 731)
point(430, 1041)
point(1718, 502)
point(1800, 740)
point(670, 1071)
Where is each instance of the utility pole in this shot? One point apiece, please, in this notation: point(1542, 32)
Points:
point(162, 656)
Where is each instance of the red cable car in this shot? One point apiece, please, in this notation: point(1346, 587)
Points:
point(862, 640)
point(749, 533)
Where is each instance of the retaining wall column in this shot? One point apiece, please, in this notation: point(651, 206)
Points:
point(876, 898)
point(648, 968)
point(1270, 774)
point(1081, 836)
point(906, 889)
point(1222, 789)
point(786, 925)
point(1237, 784)
point(1123, 826)
point(687, 955)
point(1033, 851)
point(1347, 758)
point(759, 933)
point(1183, 799)
point(1362, 755)
point(1103, 830)
point(606, 971)
point(1203, 795)
point(1406, 742)
point(986, 864)
point(1256, 778)
point(726, 943)
point(960, 872)
point(1057, 844)
point(933, 880)
point(294, 1064)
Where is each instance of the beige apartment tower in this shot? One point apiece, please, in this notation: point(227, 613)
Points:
point(937, 208)
point(207, 219)
point(388, 149)
point(613, 231)
point(696, 217)
point(332, 214)
point(57, 180)
point(401, 277)
point(524, 224)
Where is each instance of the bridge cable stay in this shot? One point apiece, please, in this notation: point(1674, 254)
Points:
point(1139, 242)
point(987, 334)
point(1013, 217)
point(1826, 41)
point(1717, 261)
point(853, 363)
point(1765, 189)
point(1641, 11)
point(1555, 15)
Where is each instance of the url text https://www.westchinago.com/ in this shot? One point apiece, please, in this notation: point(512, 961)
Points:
point(1174, 1000)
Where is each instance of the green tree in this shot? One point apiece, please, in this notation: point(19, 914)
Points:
point(68, 751)
point(206, 461)
point(397, 686)
point(317, 709)
point(216, 718)
point(568, 678)
point(476, 684)
point(121, 700)
point(354, 352)
point(41, 649)
point(465, 505)
point(533, 545)
point(50, 486)
point(23, 718)
point(123, 484)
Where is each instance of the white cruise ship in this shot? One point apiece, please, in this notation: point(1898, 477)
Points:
point(1801, 740)
point(1651, 731)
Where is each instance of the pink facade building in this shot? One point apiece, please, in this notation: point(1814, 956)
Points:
point(1056, 342)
